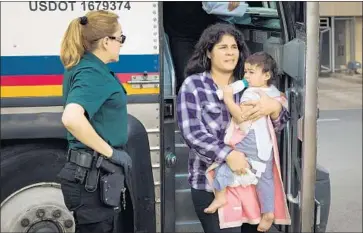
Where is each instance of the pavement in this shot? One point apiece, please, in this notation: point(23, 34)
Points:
point(339, 148)
point(340, 92)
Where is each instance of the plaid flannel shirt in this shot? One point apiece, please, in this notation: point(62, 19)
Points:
point(202, 120)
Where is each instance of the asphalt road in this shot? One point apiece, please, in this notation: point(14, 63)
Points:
point(340, 148)
point(340, 152)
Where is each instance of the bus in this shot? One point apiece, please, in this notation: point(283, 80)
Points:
point(33, 139)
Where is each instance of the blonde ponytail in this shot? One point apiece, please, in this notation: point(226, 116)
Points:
point(83, 35)
point(72, 48)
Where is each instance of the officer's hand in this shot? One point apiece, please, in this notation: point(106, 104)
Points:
point(120, 157)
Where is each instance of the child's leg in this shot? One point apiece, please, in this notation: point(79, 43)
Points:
point(266, 193)
point(223, 177)
point(219, 201)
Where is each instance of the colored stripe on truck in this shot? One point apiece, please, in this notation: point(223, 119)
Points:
point(41, 76)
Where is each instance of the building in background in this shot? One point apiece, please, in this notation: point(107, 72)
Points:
point(341, 35)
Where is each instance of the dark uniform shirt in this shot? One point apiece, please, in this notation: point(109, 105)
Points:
point(93, 86)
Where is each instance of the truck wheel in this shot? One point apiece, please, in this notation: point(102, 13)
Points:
point(31, 198)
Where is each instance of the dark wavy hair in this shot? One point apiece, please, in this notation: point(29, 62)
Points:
point(199, 62)
point(266, 62)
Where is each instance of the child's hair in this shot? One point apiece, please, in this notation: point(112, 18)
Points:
point(265, 62)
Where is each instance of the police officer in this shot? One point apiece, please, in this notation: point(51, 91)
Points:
point(95, 117)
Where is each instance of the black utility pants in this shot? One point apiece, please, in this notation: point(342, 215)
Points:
point(90, 214)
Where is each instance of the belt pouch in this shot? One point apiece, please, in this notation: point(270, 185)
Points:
point(111, 186)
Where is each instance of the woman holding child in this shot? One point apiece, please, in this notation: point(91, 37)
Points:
point(219, 60)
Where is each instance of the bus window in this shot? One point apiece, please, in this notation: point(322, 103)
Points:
point(264, 16)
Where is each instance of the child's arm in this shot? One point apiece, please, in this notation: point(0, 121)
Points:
point(245, 124)
point(235, 109)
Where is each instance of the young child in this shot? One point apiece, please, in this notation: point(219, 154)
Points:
point(251, 138)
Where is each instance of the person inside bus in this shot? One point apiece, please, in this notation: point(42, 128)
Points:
point(184, 22)
point(95, 108)
point(217, 61)
point(251, 138)
point(231, 12)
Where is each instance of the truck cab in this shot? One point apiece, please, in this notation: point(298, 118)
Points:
point(33, 139)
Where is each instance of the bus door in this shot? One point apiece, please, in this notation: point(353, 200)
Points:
point(294, 67)
point(277, 28)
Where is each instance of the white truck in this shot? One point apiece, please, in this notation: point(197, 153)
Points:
point(33, 145)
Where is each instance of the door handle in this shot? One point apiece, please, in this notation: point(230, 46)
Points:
point(170, 159)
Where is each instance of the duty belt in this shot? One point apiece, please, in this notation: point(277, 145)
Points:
point(86, 171)
point(81, 158)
